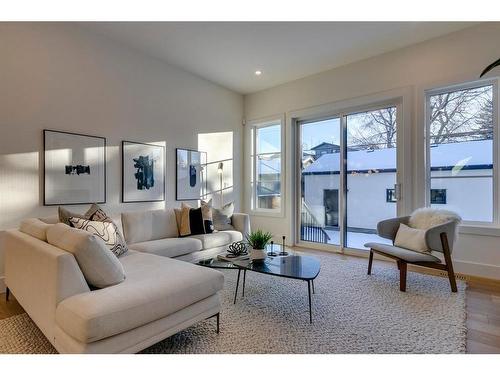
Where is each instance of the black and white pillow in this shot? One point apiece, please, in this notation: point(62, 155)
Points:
point(107, 231)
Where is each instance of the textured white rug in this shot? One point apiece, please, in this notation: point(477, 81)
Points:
point(353, 313)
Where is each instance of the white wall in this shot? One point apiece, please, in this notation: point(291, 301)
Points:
point(62, 77)
point(454, 58)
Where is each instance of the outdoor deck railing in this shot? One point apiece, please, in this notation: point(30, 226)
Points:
point(310, 228)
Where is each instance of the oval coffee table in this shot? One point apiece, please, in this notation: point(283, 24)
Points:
point(298, 267)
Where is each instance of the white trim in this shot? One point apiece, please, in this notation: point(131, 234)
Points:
point(481, 227)
point(252, 126)
point(480, 230)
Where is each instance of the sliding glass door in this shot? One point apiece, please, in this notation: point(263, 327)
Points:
point(372, 191)
point(348, 177)
point(320, 181)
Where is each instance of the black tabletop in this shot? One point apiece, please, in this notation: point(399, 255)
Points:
point(301, 267)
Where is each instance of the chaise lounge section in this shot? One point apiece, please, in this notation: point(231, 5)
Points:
point(159, 297)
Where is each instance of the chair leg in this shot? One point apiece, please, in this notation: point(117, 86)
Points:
point(402, 275)
point(7, 294)
point(449, 264)
point(370, 261)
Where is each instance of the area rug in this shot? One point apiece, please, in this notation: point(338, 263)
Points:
point(352, 313)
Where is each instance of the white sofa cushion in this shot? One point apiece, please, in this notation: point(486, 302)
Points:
point(169, 247)
point(217, 239)
point(144, 226)
point(155, 287)
point(35, 228)
point(99, 265)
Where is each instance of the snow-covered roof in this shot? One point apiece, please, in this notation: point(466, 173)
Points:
point(472, 154)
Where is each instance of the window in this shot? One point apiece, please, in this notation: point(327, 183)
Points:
point(390, 196)
point(266, 167)
point(438, 196)
point(460, 135)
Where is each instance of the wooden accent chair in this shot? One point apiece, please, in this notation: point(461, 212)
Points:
point(439, 238)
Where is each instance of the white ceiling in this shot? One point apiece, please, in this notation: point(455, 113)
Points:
point(229, 53)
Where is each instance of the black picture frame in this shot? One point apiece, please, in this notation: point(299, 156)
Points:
point(163, 169)
point(49, 202)
point(177, 195)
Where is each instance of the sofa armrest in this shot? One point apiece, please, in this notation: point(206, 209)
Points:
point(241, 222)
point(40, 276)
point(388, 228)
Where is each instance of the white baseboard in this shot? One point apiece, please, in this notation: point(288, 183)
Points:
point(2, 284)
point(488, 271)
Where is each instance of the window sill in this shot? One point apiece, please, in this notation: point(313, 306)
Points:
point(480, 230)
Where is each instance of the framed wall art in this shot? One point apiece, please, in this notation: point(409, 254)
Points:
point(191, 181)
point(143, 172)
point(74, 168)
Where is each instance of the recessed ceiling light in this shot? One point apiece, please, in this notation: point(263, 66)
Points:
point(258, 72)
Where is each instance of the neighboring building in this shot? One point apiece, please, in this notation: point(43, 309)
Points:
point(462, 185)
point(325, 148)
point(269, 187)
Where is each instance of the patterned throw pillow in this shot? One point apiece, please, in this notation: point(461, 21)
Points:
point(222, 217)
point(107, 231)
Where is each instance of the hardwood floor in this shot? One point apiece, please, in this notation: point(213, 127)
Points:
point(483, 310)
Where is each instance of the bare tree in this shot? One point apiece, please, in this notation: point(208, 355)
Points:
point(457, 116)
point(374, 130)
point(485, 119)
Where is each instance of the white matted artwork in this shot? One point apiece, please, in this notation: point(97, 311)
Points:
point(74, 168)
point(143, 172)
point(191, 168)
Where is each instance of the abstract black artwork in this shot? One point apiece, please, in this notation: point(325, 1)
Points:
point(143, 172)
point(191, 170)
point(74, 168)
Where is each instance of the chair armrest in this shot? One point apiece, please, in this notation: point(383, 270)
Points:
point(388, 228)
point(241, 222)
point(433, 236)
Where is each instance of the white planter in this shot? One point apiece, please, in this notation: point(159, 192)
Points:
point(257, 255)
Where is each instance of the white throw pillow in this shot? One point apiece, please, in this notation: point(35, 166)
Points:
point(411, 238)
point(100, 267)
point(107, 231)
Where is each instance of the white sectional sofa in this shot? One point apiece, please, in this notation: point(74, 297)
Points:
point(155, 232)
point(159, 297)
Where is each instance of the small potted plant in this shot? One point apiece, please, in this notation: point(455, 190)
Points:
point(257, 241)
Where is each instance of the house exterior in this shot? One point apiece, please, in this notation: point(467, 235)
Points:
point(460, 173)
point(325, 148)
